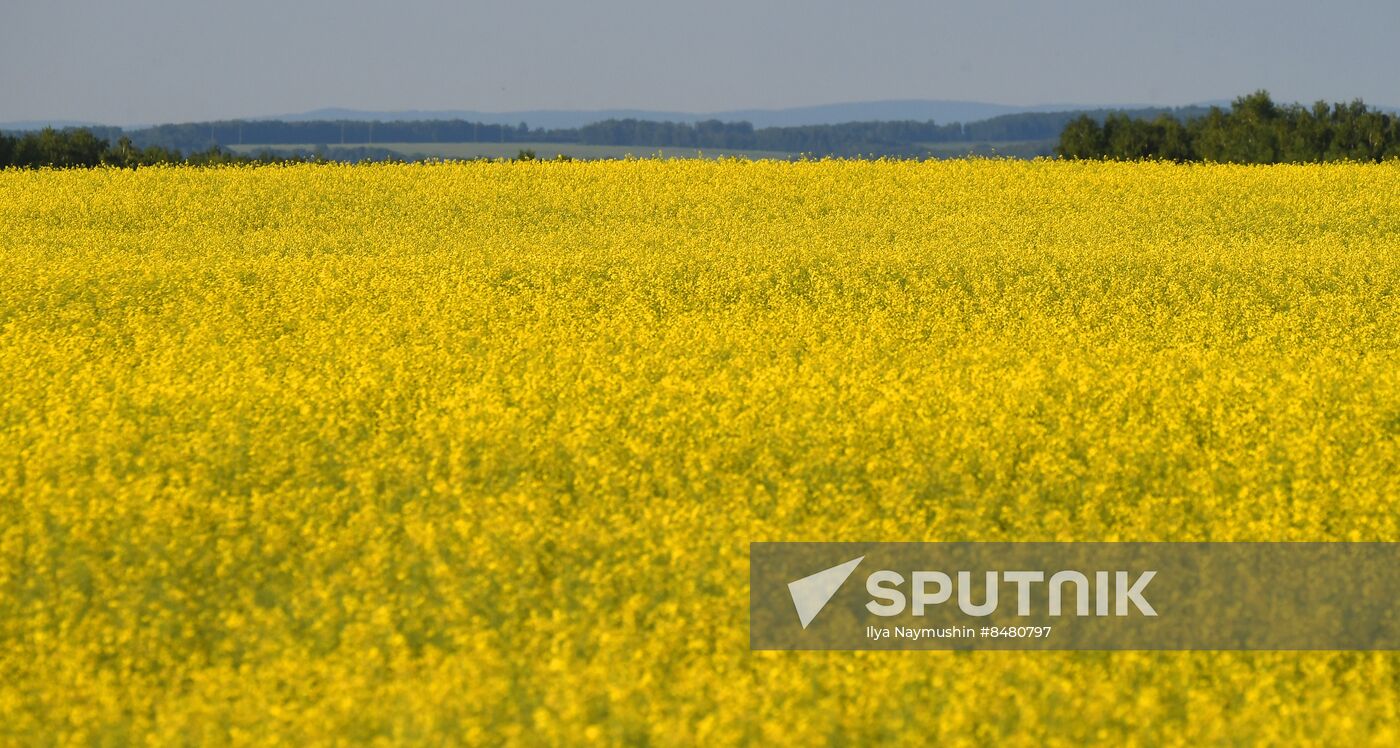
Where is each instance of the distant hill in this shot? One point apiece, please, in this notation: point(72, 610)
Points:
point(39, 124)
point(899, 110)
point(921, 110)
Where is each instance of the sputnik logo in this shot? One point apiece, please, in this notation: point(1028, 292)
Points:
point(811, 593)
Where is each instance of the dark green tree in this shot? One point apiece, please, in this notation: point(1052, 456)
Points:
point(1082, 138)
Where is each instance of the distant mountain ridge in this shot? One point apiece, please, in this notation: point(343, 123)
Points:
point(894, 110)
point(39, 124)
point(919, 110)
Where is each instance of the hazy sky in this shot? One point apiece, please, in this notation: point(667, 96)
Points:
point(176, 60)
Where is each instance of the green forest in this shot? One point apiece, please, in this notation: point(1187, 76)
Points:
point(81, 147)
point(1254, 130)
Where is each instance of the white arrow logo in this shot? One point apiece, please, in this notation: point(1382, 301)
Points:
point(810, 594)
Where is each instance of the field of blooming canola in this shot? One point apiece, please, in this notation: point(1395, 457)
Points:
point(472, 453)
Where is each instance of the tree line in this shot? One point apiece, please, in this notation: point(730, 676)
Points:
point(82, 147)
point(907, 138)
point(894, 138)
point(1255, 130)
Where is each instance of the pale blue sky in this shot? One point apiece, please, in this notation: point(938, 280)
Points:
point(179, 60)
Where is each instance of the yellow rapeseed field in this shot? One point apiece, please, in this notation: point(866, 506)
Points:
point(473, 453)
